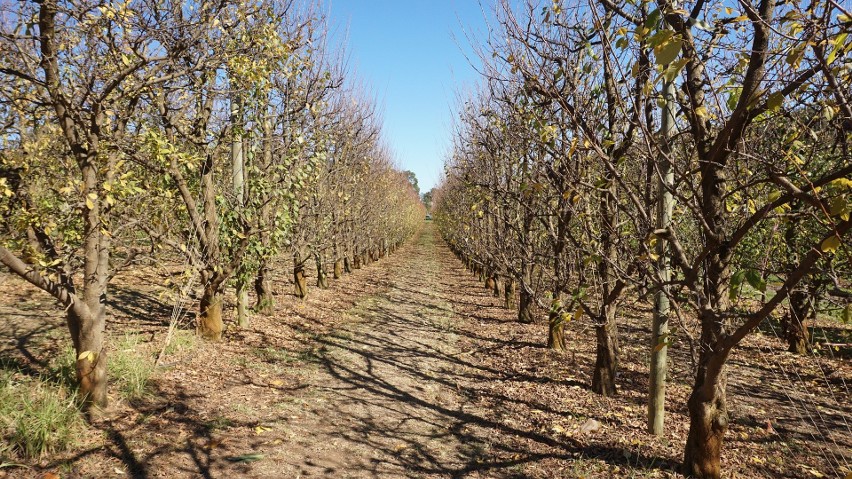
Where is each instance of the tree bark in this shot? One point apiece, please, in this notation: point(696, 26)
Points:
point(660, 321)
point(322, 279)
point(556, 331)
point(606, 362)
point(87, 334)
point(299, 280)
point(708, 422)
point(347, 265)
point(525, 307)
point(238, 179)
point(509, 288)
point(795, 332)
point(338, 269)
point(262, 290)
point(210, 325)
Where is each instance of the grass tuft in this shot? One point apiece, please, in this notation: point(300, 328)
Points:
point(38, 416)
point(130, 367)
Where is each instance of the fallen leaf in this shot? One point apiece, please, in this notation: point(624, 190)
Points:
point(590, 426)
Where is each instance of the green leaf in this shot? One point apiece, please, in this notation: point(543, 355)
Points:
point(653, 19)
point(775, 101)
point(668, 51)
point(755, 281)
point(674, 69)
point(736, 283)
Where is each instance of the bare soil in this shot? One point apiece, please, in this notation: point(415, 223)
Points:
point(410, 368)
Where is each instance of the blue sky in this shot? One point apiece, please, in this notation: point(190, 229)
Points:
point(411, 53)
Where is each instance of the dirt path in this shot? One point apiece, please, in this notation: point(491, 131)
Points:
point(384, 401)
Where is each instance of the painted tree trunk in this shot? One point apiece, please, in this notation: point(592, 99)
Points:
point(509, 289)
point(322, 279)
point(556, 331)
point(300, 283)
point(795, 331)
point(606, 362)
point(210, 325)
point(263, 291)
point(525, 307)
point(338, 269)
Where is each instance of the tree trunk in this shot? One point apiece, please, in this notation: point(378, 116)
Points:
point(796, 333)
point(87, 334)
point(708, 423)
point(660, 321)
point(495, 290)
point(322, 280)
point(238, 179)
point(300, 283)
point(347, 265)
point(556, 331)
point(356, 261)
point(525, 307)
point(210, 325)
point(263, 291)
point(489, 282)
point(509, 288)
point(606, 362)
point(338, 269)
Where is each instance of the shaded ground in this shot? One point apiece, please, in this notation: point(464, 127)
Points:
point(409, 368)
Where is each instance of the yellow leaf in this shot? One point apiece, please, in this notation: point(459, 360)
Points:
point(89, 204)
point(578, 313)
point(830, 244)
point(261, 429)
point(86, 355)
point(701, 112)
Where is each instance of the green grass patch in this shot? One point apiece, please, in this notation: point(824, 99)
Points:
point(38, 415)
point(130, 367)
